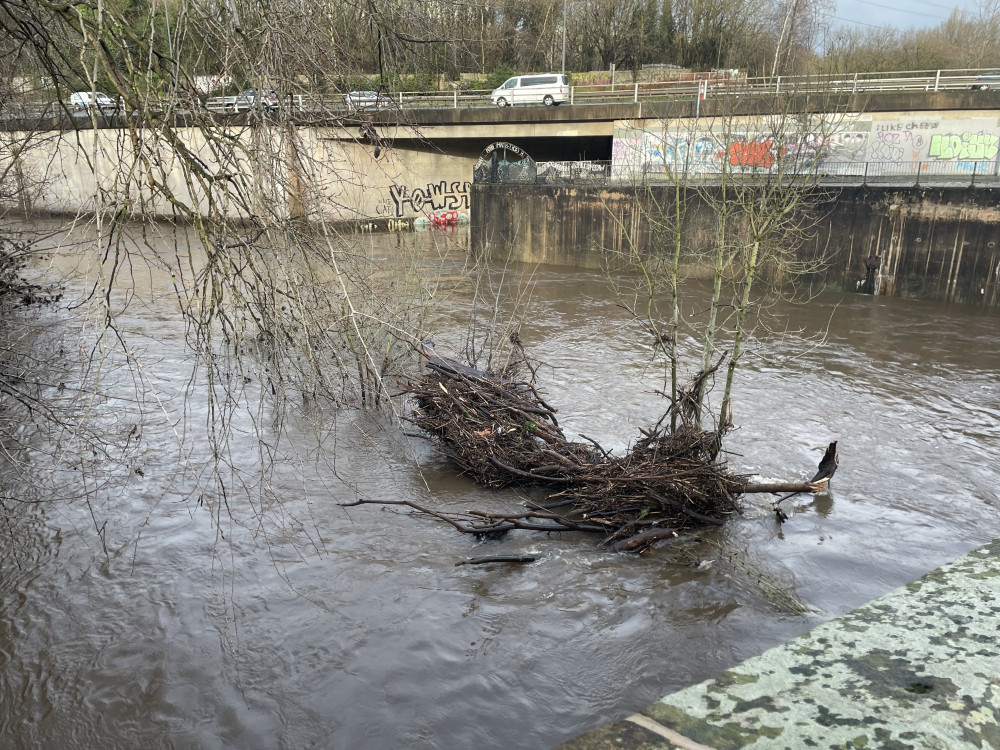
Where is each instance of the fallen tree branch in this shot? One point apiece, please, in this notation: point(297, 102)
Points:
point(821, 479)
point(488, 524)
point(775, 487)
point(497, 559)
point(687, 511)
point(642, 541)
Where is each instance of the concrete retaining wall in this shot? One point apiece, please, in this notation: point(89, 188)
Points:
point(323, 173)
point(934, 243)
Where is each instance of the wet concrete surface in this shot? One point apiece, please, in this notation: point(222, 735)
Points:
point(915, 669)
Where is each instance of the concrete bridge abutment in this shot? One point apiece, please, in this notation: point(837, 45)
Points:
point(937, 243)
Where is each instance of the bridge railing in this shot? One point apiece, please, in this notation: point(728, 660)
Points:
point(716, 86)
point(961, 171)
point(709, 85)
point(339, 103)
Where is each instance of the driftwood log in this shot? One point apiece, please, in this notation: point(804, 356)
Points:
point(499, 430)
point(487, 559)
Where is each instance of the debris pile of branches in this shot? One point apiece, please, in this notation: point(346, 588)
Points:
point(499, 430)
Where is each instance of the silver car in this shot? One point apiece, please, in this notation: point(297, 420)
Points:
point(361, 100)
point(986, 81)
point(550, 89)
point(88, 99)
point(251, 99)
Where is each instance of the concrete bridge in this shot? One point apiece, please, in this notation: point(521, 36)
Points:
point(937, 135)
point(373, 169)
point(917, 186)
point(374, 166)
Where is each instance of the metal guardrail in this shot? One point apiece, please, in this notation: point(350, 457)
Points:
point(233, 104)
point(715, 87)
point(919, 172)
point(708, 85)
point(722, 87)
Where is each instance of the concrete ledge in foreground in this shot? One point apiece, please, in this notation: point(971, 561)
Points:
point(916, 669)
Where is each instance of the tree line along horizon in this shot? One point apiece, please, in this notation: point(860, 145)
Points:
point(330, 46)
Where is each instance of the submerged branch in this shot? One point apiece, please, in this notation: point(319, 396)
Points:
point(497, 559)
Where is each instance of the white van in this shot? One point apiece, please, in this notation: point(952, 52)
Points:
point(86, 99)
point(547, 89)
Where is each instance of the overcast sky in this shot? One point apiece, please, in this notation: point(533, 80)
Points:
point(899, 14)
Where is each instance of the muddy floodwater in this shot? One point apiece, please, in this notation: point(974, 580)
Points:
point(353, 629)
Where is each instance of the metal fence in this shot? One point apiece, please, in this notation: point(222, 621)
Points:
point(917, 172)
point(576, 172)
point(522, 172)
point(959, 173)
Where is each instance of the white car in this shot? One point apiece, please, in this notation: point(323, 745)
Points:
point(250, 99)
point(88, 99)
point(367, 100)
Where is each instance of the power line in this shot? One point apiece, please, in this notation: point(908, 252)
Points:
point(902, 10)
point(948, 8)
point(861, 23)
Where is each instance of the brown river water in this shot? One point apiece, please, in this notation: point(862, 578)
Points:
point(353, 629)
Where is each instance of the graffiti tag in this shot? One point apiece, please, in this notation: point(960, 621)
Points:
point(451, 196)
point(752, 154)
point(964, 146)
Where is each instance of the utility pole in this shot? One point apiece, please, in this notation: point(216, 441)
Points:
point(564, 39)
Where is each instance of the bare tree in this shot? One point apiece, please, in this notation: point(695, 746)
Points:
point(608, 33)
point(721, 33)
point(800, 24)
point(281, 308)
point(735, 197)
point(965, 40)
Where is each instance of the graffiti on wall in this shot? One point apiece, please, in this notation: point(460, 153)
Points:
point(841, 147)
point(695, 152)
point(916, 140)
point(845, 146)
point(707, 152)
point(759, 154)
point(895, 145)
point(658, 153)
point(434, 196)
point(908, 126)
point(620, 150)
point(963, 146)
